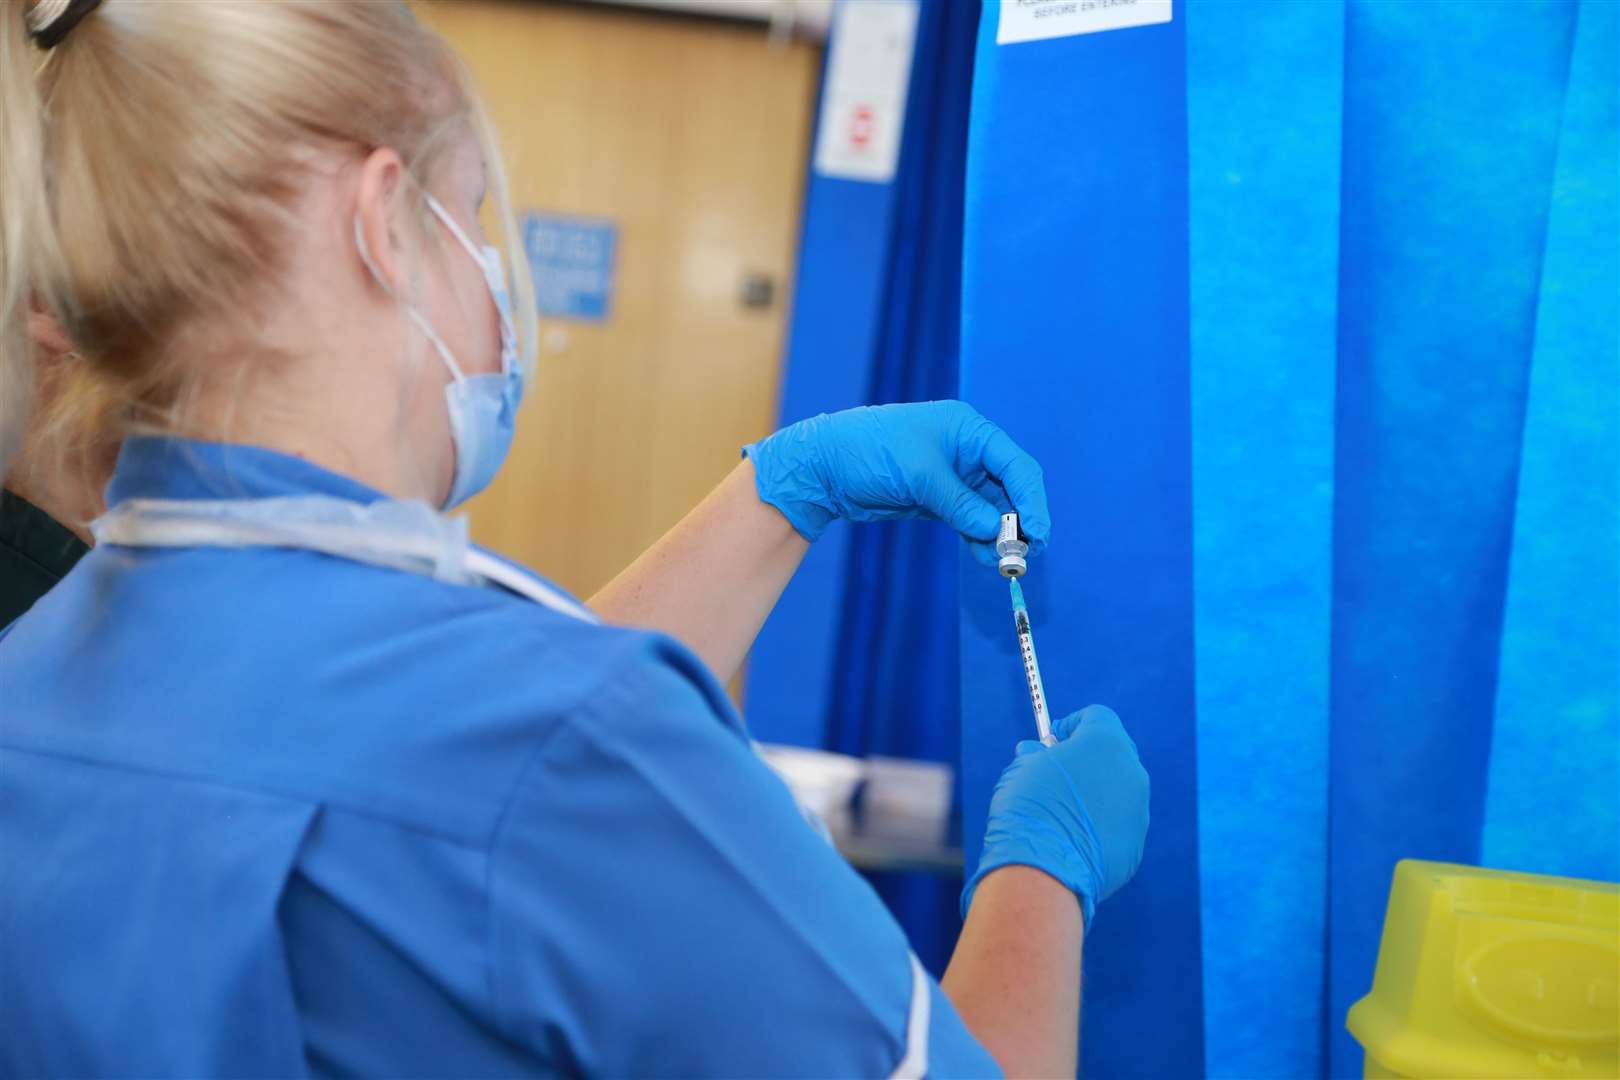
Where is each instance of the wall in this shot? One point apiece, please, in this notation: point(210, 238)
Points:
point(691, 134)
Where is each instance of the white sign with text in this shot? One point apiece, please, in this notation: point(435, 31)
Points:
point(1037, 20)
point(863, 102)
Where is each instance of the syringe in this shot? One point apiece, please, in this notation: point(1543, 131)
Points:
point(1032, 670)
point(1011, 549)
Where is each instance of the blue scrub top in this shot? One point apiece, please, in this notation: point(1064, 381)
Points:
point(270, 812)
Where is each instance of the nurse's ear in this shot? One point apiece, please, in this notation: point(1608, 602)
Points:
point(377, 216)
point(46, 332)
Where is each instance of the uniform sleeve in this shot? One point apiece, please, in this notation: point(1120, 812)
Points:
point(659, 907)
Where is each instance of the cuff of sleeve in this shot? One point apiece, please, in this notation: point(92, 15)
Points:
point(1088, 906)
point(808, 519)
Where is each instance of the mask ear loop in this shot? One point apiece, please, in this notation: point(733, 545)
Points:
point(450, 223)
point(410, 309)
point(489, 261)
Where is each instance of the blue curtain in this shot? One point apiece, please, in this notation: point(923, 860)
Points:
point(895, 690)
point(1075, 338)
point(1310, 310)
point(861, 655)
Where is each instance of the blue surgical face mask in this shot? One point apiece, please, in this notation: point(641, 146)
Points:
point(482, 408)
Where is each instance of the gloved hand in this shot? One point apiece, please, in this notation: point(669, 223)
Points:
point(936, 459)
point(1077, 810)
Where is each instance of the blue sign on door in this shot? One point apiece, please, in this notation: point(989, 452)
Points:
point(572, 260)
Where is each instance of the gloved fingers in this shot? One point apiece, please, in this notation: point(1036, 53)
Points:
point(1099, 717)
point(965, 510)
point(984, 552)
point(992, 492)
point(1064, 726)
point(1027, 747)
point(1021, 477)
point(1096, 721)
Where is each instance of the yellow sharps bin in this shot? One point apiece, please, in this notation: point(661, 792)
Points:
point(1490, 973)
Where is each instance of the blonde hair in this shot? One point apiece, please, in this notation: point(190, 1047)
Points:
point(149, 163)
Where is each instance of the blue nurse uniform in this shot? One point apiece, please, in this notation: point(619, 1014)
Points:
point(266, 811)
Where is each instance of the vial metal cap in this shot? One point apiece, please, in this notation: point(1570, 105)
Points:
point(1011, 547)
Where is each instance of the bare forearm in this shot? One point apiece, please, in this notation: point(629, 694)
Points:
point(1015, 975)
point(713, 578)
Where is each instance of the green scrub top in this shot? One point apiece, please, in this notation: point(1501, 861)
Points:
point(36, 551)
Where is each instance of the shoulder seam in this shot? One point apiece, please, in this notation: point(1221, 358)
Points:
point(256, 789)
point(570, 720)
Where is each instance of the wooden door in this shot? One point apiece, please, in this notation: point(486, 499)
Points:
point(692, 135)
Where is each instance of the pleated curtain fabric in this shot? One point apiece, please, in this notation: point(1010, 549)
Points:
point(860, 655)
point(1309, 310)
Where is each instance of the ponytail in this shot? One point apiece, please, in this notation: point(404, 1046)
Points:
point(28, 244)
point(150, 169)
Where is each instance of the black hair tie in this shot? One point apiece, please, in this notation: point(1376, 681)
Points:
point(57, 25)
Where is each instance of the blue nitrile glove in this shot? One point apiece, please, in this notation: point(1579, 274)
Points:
point(1077, 810)
point(935, 459)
